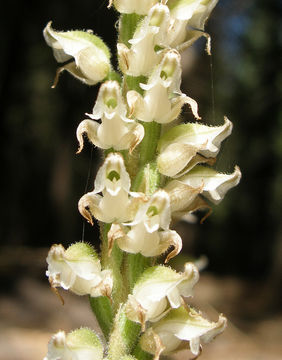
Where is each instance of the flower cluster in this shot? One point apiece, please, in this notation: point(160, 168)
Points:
point(151, 174)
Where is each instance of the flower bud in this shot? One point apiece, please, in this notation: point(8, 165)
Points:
point(80, 344)
point(158, 288)
point(133, 6)
point(91, 56)
point(178, 327)
point(78, 269)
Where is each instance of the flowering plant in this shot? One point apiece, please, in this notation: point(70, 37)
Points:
point(151, 174)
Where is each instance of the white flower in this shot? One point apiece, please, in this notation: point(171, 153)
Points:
point(187, 21)
point(91, 56)
point(133, 6)
point(142, 56)
point(158, 288)
point(162, 100)
point(78, 269)
point(196, 11)
point(80, 344)
point(116, 130)
point(181, 195)
point(214, 184)
point(179, 326)
point(186, 145)
point(149, 233)
point(201, 180)
point(117, 203)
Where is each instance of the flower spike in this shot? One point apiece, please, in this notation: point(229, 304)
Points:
point(153, 174)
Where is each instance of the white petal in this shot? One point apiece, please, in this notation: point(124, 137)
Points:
point(200, 16)
point(89, 128)
point(134, 6)
point(174, 298)
point(184, 10)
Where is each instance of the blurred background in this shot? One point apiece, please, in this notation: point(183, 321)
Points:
point(43, 178)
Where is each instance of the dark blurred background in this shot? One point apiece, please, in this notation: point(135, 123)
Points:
point(43, 178)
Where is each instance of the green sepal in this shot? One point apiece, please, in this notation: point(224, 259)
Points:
point(149, 143)
point(87, 338)
point(80, 250)
point(88, 37)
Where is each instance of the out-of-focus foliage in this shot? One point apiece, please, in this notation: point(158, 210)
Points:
point(43, 178)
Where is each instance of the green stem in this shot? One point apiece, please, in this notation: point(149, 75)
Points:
point(147, 180)
point(149, 143)
point(128, 24)
point(133, 83)
point(103, 311)
point(114, 75)
point(123, 337)
point(136, 264)
point(114, 263)
point(101, 306)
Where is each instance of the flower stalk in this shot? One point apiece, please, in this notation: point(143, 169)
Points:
point(150, 178)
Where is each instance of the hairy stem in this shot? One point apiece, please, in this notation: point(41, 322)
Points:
point(103, 311)
point(114, 263)
point(123, 337)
